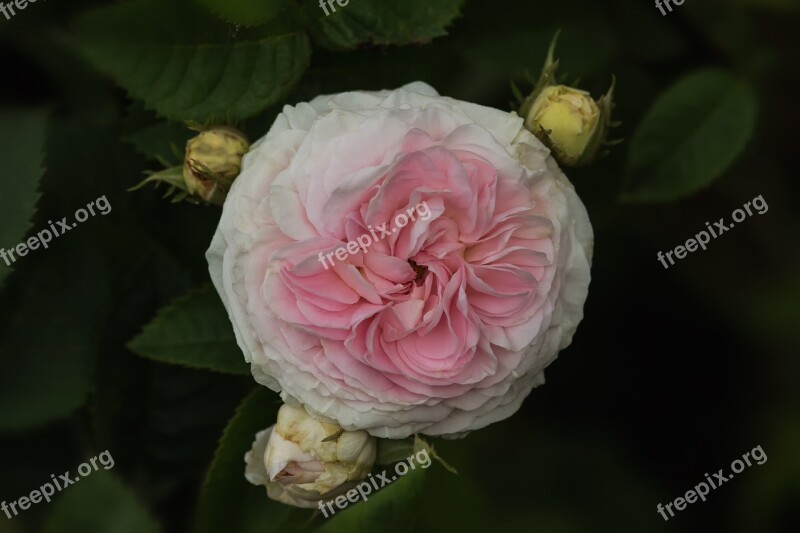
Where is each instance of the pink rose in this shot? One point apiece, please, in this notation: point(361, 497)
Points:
point(473, 276)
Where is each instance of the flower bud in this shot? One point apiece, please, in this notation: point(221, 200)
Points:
point(302, 460)
point(213, 160)
point(567, 118)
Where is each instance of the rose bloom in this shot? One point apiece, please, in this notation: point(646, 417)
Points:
point(441, 326)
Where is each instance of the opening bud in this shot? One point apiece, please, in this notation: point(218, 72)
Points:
point(213, 160)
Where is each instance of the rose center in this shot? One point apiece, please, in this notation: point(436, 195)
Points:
point(420, 270)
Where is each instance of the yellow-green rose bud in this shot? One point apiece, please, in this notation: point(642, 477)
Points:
point(302, 460)
point(213, 160)
point(566, 119)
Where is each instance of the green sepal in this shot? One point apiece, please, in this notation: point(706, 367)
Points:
point(600, 138)
point(546, 79)
point(172, 176)
point(176, 185)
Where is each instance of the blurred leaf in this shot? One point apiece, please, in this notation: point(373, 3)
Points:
point(646, 34)
point(147, 277)
point(245, 12)
point(194, 331)
point(188, 68)
point(774, 310)
point(228, 501)
point(187, 409)
point(692, 134)
point(393, 507)
point(47, 355)
point(585, 48)
point(769, 500)
point(7, 526)
point(780, 5)
point(732, 30)
point(22, 139)
point(79, 86)
point(384, 23)
point(101, 504)
point(34, 460)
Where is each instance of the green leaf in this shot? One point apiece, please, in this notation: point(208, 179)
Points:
point(692, 134)
point(380, 22)
point(99, 504)
point(48, 352)
point(393, 450)
point(392, 507)
point(22, 139)
point(164, 142)
point(245, 12)
point(185, 66)
point(228, 502)
point(193, 331)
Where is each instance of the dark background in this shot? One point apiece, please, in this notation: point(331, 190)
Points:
point(672, 374)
